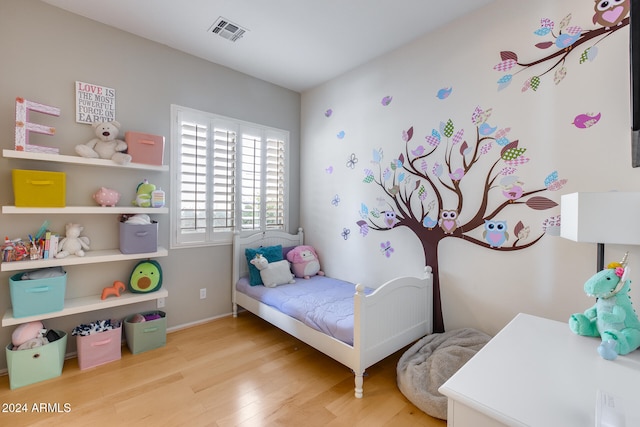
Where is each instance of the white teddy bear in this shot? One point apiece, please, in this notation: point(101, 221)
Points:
point(73, 243)
point(106, 145)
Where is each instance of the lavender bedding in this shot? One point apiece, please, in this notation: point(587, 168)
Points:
point(322, 303)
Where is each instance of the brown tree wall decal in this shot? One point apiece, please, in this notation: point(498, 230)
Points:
point(423, 190)
point(564, 39)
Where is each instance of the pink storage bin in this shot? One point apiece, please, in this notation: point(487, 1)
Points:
point(98, 349)
point(145, 148)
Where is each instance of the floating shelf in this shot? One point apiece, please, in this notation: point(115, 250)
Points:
point(85, 304)
point(91, 257)
point(61, 158)
point(86, 210)
point(93, 302)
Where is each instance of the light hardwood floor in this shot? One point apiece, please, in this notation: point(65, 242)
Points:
point(229, 372)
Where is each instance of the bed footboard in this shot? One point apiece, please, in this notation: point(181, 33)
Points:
point(393, 316)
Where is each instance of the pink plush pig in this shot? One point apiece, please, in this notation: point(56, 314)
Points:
point(106, 196)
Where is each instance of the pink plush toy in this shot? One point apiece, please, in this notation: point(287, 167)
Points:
point(304, 261)
point(26, 333)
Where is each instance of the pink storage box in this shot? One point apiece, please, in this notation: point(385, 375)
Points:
point(145, 148)
point(98, 349)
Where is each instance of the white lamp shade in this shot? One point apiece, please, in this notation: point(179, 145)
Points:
point(611, 217)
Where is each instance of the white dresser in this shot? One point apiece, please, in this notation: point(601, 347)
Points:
point(536, 372)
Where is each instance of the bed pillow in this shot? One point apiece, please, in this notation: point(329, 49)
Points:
point(286, 250)
point(271, 253)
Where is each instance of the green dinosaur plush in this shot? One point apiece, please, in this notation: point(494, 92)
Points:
point(143, 194)
point(612, 317)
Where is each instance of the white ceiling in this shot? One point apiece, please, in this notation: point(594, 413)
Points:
point(297, 44)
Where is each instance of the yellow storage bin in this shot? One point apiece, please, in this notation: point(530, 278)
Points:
point(39, 189)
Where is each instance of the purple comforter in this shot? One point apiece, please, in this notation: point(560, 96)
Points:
point(322, 303)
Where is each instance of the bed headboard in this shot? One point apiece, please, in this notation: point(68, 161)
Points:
point(256, 240)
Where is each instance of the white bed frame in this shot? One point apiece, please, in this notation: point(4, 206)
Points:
point(396, 314)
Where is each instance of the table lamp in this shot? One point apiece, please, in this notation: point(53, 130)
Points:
point(608, 217)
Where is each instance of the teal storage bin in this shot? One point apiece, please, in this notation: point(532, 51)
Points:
point(37, 296)
point(145, 336)
point(36, 364)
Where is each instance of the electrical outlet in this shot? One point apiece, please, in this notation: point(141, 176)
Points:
point(203, 293)
point(160, 302)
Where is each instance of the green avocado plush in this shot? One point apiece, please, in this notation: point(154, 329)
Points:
point(145, 277)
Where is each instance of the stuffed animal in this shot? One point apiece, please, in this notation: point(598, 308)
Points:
point(612, 318)
point(105, 145)
point(73, 243)
point(305, 261)
point(143, 194)
point(146, 277)
point(273, 273)
point(106, 196)
point(26, 332)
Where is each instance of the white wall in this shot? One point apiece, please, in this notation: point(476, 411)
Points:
point(43, 51)
point(481, 288)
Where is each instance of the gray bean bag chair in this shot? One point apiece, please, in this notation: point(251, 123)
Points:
point(431, 361)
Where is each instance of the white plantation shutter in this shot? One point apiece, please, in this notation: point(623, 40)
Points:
point(274, 183)
point(228, 175)
point(193, 181)
point(251, 166)
point(224, 178)
point(263, 175)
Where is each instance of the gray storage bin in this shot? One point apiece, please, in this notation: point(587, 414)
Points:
point(138, 238)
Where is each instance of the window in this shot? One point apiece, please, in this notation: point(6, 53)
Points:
point(227, 175)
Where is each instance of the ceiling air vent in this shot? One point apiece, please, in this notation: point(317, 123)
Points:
point(227, 29)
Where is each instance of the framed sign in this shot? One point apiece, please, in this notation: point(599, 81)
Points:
point(95, 103)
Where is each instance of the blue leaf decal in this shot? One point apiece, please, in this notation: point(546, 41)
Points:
point(542, 31)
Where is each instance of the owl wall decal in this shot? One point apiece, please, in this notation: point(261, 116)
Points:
point(390, 219)
point(495, 233)
point(449, 221)
point(610, 13)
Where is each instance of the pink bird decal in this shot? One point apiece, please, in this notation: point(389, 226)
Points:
point(583, 121)
point(513, 193)
point(457, 174)
point(419, 151)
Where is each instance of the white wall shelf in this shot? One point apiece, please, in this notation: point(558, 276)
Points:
point(61, 158)
point(86, 210)
point(91, 257)
point(93, 302)
point(85, 304)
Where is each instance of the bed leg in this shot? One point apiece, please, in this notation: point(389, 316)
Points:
point(359, 382)
point(234, 309)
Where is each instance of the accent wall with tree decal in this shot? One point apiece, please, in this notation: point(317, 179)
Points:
point(402, 170)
